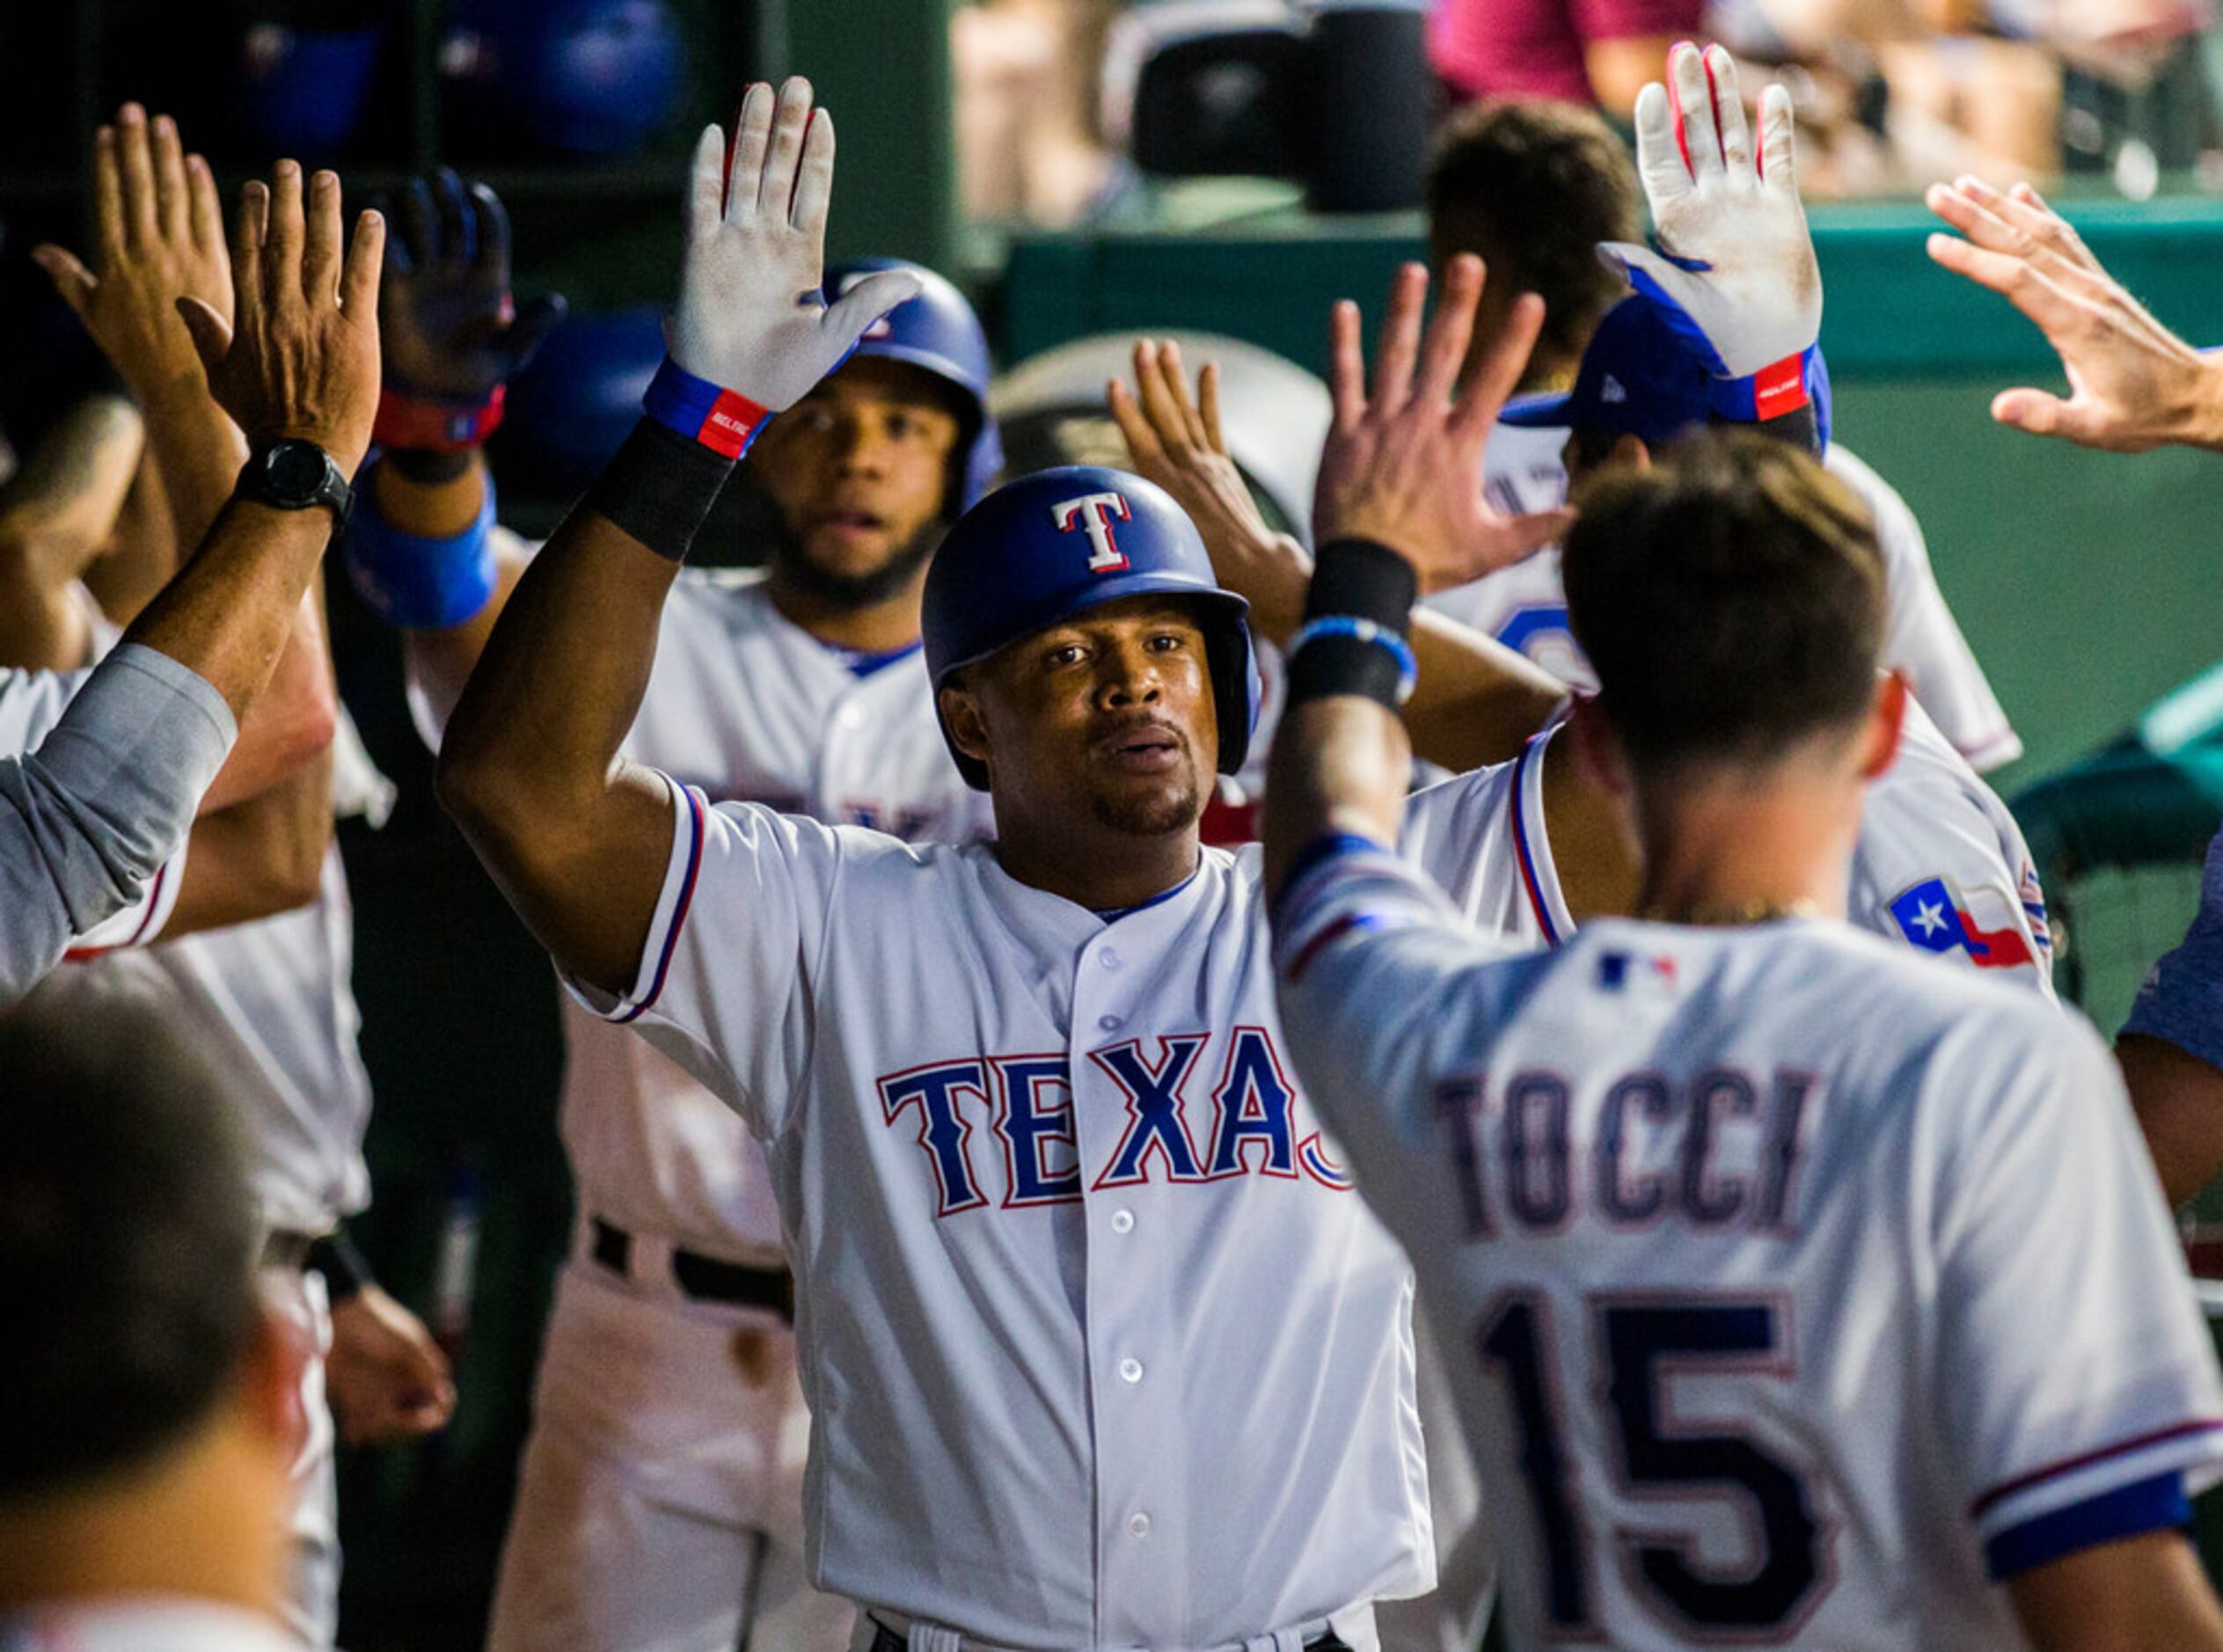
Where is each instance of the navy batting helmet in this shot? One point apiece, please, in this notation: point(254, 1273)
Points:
point(1048, 547)
point(937, 332)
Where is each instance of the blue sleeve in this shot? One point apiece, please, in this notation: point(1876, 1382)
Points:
point(2159, 1504)
point(106, 799)
point(2182, 1001)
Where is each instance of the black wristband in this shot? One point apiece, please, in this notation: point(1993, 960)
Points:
point(659, 488)
point(1366, 581)
point(1799, 426)
point(345, 1272)
point(1327, 666)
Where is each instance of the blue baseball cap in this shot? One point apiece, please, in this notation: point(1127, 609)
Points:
point(1639, 378)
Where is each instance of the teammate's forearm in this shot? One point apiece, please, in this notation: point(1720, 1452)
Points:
point(259, 857)
point(530, 769)
point(56, 517)
point(144, 551)
point(436, 496)
point(293, 720)
point(1475, 700)
point(1340, 764)
point(199, 452)
point(227, 615)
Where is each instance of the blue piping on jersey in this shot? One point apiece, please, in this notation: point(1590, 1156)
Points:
point(1112, 914)
point(1552, 936)
point(861, 664)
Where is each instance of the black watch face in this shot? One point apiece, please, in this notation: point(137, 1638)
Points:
point(294, 471)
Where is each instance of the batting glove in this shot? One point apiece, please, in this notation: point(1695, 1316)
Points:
point(1734, 272)
point(749, 317)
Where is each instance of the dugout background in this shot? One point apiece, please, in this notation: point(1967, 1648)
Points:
point(2087, 583)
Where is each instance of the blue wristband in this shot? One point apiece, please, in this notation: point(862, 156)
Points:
point(415, 583)
point(1366, 631)
point(724, 420)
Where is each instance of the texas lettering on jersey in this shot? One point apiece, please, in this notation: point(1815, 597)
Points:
point(1247, 1124)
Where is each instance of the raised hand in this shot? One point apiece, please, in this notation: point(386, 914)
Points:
point(157, 238)
point(299, 358)
point(748, 318)
point(1403, 466)
point(1735, 270)
point(449, 326)
point(2133, 384)
point(1176, 442)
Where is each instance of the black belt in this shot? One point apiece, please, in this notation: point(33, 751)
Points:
point(702, 1278)
point(886, 1640)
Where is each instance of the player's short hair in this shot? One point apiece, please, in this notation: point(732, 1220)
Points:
point(128, 1243)
point(1533, 187)
point(1731, 599)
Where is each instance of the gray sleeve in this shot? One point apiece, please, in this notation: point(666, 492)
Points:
point(108, 796)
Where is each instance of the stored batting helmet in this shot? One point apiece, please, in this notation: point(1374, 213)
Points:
point(1057, 543)
point(938, 333)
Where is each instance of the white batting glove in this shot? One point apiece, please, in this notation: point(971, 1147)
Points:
point(1734, 272)
point(749, 317)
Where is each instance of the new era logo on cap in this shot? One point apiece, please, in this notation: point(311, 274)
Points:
point(1092, 515)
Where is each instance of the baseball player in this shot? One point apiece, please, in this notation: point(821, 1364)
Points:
point(1726, 1209)
point(1520, 844)
point(2133, 386)
point(147, 1406)
point(88, 816)
point(1537, 191)
point(667, 1511)
point(269, 1002)
point(1073, 1257)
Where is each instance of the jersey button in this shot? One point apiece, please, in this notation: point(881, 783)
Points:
point(1138, 1526)
point(1131, 1370)
point(1123, 1221)
point(1108, 958)
point(1111, 1023)
point(851, 717)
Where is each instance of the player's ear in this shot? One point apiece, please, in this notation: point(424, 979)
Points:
point(1629, 450)
point(1886, 717)
point(1599, 762)
point(968, 730)
point(270, 1382)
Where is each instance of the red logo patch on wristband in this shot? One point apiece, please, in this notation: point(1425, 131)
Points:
point(729, 424)
point(1780, 388)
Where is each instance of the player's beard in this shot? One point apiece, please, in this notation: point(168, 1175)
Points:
point(1156, 814)
point(847, 593)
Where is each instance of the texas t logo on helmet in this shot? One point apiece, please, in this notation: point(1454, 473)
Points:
point(1092, 512)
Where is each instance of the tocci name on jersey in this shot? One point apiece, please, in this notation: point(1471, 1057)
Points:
point(1249, 1127)
point(1719, 1151)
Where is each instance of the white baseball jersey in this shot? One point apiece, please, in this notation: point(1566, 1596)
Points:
point(1524, 606)
point(749, 707)
point(141, 1623)
point(31, 704)
point(1732, 1231)
point(1100, 1347)
point(1940, 864)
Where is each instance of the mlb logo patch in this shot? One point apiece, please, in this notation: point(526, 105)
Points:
point(1934, 915)
point(1653, 972)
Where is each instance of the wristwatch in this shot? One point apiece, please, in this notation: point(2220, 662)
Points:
point(295, 475)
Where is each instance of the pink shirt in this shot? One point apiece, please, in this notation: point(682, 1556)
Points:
point(1533, 48)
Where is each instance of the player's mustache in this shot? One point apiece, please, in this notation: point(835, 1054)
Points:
point(1126, 728)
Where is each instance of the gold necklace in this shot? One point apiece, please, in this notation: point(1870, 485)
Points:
point(1750, 912)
